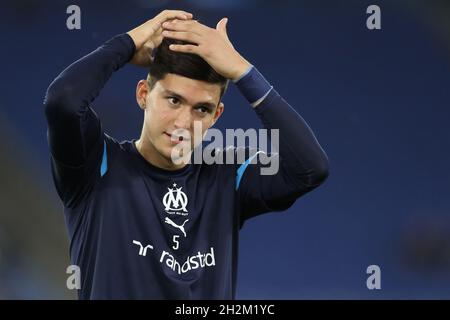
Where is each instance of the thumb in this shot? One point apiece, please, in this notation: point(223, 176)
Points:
point(222, 27)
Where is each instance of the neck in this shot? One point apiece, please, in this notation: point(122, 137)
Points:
point(149, 152)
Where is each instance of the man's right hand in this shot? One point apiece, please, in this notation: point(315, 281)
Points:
point(148, 36)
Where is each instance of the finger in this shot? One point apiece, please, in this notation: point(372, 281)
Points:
point(189, 25)
point(158, 37)
point(187, 48)
point(222, 27)
point(174, 14)
point(158, 27)
point(221, 24)
point(160, 24)
point(182, 35)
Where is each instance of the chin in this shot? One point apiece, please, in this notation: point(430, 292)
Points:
point(165, 152)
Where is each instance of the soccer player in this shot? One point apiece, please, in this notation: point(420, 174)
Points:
point(142, 226)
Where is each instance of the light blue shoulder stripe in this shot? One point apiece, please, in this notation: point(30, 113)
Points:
point(242, 168)
point(104, 166)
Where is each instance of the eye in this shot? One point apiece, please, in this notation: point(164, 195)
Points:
point(173, 100)
point(203, 109)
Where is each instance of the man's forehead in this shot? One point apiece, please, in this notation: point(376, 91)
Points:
point(192, 90)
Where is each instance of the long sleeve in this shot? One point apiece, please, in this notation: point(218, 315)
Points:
point(75, 134)
point(303, 165)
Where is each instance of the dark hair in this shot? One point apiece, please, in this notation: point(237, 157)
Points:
point(188, 65)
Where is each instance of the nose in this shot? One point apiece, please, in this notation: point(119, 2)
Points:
point(184, 118)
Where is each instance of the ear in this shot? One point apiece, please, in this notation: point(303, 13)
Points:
point(218, 113)
point(142, 90)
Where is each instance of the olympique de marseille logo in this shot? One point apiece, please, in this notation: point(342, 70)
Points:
point(175, 201)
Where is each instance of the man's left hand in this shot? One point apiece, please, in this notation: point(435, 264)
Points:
point(213, 45)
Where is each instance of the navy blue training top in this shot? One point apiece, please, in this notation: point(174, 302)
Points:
point(141, 232)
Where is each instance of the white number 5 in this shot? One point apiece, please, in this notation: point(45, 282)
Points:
point(177, 243)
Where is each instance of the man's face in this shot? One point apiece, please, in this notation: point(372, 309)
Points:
point(172, 107)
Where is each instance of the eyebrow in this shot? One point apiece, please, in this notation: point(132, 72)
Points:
point(180, 97)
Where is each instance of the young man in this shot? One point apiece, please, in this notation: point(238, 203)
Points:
point(140, 225)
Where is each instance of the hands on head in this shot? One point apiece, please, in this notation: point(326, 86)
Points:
point(213, 45)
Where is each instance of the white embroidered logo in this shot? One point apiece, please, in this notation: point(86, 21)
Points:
point(168, 221)
point(175, 201)
point(142, 249)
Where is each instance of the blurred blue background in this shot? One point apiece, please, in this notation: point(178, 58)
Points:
point(377, 100)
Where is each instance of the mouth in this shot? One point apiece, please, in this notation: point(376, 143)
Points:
point(176, 138)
